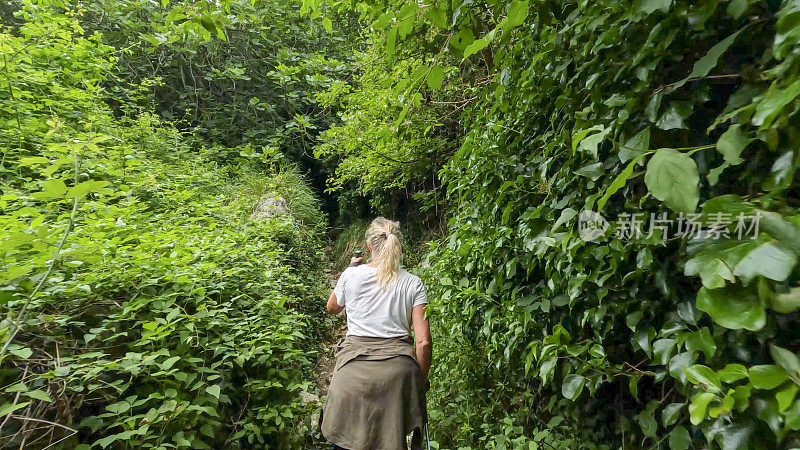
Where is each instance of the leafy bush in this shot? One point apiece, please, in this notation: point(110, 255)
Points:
point(613, 107)
point(142, 307)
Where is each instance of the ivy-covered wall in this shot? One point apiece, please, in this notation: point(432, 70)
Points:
point(688, 109)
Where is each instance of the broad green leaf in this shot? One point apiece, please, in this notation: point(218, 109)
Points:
point(733, 307)
point(769, 260)
point(168, 363)
point(207, 430)
point(724, 407)
point(672, 178)
point(572, 386)
point(476, 46)
point(517, 12)
point(18, 387)
point(54, 188)
point(581, 135)
point(646, 419)
point(785, 396)
point(39, 394)
point(679, 363)
point(713, 271)
point(662, 350)
point(618, 183)
point(697, 408)
point(591, 142)
point(326, 22)
point(704, 65)
point(701, 340)
point(773, 103)
point(766, 376)
point(214, 390)
point(732, 143)
point(8, 408)
point(704, 376)
point(671, 119)
point(462, 39)
point(635, 147)
point(737, 7)
point(391, 43)
point(732, 373)
point(383, 20)
point(671, 413)
point(792, 416)
point(435, 77)
point(650, 6)
point(81, 189)
point(21, 352)
point(592, 171)
point(679, 438)
point(437, 17)
point(786, 359)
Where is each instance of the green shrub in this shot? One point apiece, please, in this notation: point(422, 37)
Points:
point(142, 308)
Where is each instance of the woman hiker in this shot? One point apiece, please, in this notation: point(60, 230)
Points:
point(377, 393)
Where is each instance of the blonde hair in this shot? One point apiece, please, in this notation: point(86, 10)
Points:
point(383, 236)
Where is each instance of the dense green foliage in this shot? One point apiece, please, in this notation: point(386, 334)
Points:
point(650, 106)
point(142, 307)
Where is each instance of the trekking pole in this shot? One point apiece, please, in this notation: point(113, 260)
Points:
point(427, 437)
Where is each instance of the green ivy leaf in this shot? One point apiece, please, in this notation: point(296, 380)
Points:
point(732, 373)
point(785, 396)
point(786, 359)
point(672, 178)
point(435, 77)
point(784, 302)
point(704, 376)
point(8, 408)
point(618, 183)
point(732, 143)
point(650, 6)
point(679, 363)
point(767, 376)
point(712, 270)
point(792, 416)
point(671, 413)
point(168, 363)
point(39, 394)
point(769, 260)
point(573, 386)
point(697, 408)
point(517, 12)
point(636, 146)
point(703, 341)
point(679, 438)
point(733, 307)
point(214, 390)
point(475, 47)
point(773, 103)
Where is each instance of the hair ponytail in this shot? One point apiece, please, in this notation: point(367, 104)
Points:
point(383, 235)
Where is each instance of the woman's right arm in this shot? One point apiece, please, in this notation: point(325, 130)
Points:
point(422, 338)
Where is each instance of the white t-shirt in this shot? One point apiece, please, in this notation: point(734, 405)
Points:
point(378, 311)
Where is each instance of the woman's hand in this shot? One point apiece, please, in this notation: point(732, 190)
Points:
point(356, 260)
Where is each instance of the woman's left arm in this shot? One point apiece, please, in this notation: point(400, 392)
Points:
point(333, 306)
